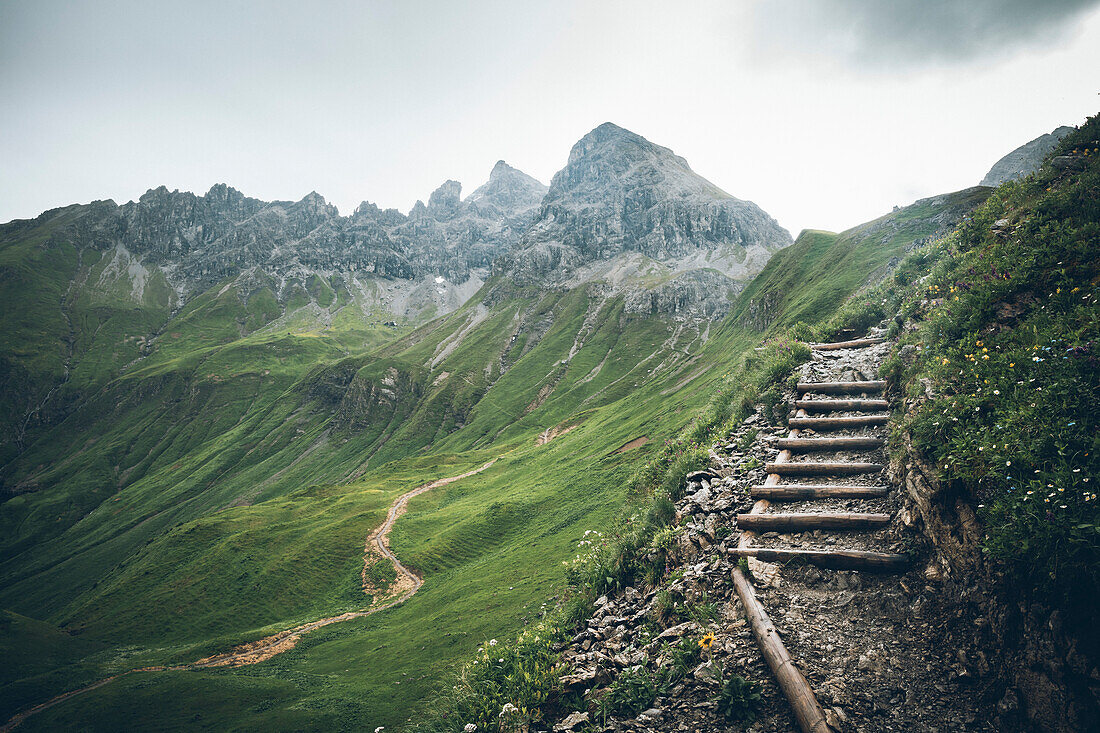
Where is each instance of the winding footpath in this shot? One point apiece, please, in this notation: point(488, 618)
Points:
point(377, 545)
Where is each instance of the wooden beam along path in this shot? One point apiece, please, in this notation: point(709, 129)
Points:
point(829, 559)
point(840, 387)
point(837, 423)
point(810, 444)
point(840, 405)
point(802, 492)
point(807, 710)
point(802, 521)
point(823, 469)
point(854, 344)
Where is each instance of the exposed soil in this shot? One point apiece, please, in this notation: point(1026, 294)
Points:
point(636, 443)
point(550, 433)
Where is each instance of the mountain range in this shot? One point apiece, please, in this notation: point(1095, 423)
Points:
point(209, 402)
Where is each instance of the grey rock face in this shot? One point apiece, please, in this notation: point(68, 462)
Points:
point(468, 234)
point(698, 294)
point(445, 200)
point(201, 240)
point(1025, 159)
point(509, 193)
point(621, 193)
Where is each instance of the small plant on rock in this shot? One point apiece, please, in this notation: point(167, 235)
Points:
point(701, 612)
point(738, 699)
point(684, 656)
point(745, 442)
point(634, 691)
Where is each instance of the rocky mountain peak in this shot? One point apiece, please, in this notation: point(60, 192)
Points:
point(612, 159)
point(621, 195)
point(500, 169)
point(509, 192)
point(157, 195)
point(224, 196)
point(607, 133)
point(445, 200)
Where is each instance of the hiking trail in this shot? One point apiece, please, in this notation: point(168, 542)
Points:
point(377, 545)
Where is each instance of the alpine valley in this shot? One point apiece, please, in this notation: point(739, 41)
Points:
point(210, 403)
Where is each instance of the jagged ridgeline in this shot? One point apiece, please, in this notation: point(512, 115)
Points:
point(210, 402)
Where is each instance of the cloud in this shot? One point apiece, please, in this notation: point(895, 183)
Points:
point(906, 33)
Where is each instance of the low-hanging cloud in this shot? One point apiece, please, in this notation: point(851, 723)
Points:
point(905, 33)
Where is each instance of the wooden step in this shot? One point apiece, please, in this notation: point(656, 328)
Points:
point(840, 405)
point(855, 344)
point(821, 424)
point(830, 559)
point(803, 521)
point(802, 492)
point(840, 387)
point(812, 444)
point(822, 469)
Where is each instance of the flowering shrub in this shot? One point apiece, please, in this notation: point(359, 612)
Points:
point(505, 683)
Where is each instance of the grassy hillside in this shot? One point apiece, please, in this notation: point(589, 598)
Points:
point(814, 276)
point(1005, 386)
point(222, 486)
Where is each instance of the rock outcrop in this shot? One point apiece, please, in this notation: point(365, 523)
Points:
point(1024, 159)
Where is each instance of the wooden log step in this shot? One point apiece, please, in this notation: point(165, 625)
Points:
point(840, 405)
point(802, 521)
point(840, 387)
point(836, 423)
point(802, 492)
point(822, 469)
point(830, 559)
point(811, 444)
point(854, 344)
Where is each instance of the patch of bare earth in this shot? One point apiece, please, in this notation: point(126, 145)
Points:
point(631, 445)
point(550, 433)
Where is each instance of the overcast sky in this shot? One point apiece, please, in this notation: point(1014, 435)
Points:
point(824, 112)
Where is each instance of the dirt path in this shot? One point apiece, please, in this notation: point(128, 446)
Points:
point(377, 545)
